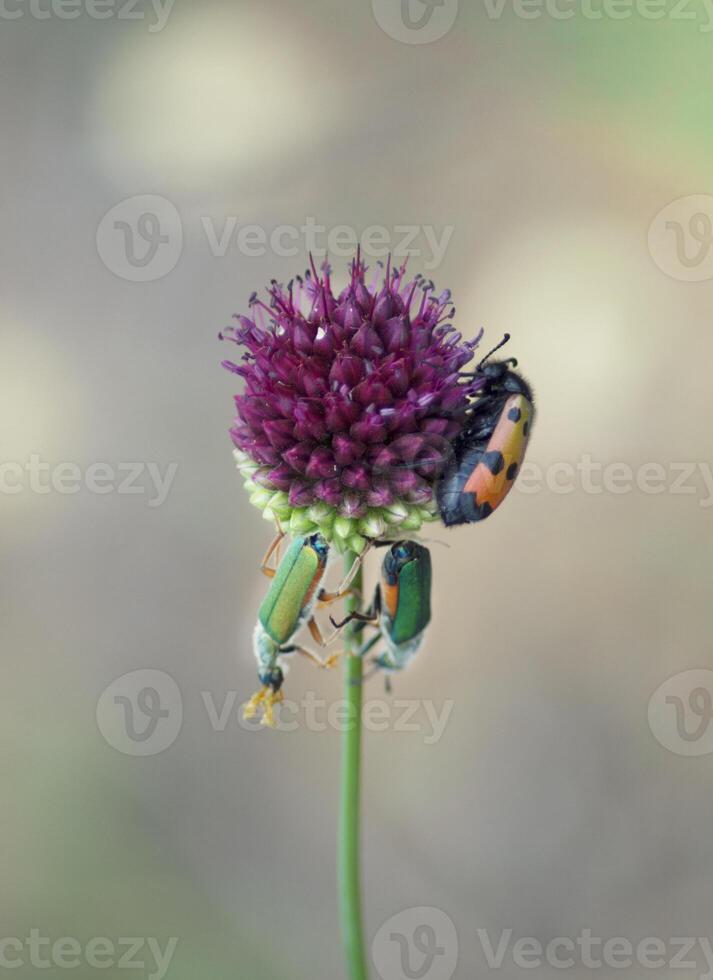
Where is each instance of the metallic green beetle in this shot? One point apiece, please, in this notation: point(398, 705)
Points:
point(289, 603)
point(401, 608)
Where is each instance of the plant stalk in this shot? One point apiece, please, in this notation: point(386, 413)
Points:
point(349, 811)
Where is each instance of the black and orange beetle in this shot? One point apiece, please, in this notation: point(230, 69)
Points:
point(488, 453)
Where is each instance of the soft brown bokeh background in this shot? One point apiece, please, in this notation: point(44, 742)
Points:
point(547, 806)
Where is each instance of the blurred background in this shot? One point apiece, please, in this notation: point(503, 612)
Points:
point(564, 164)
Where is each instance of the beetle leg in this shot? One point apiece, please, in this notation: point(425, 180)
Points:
point(266, 699)
point(327, 597)
point(376, 604)
point(254, 703)
point(274, 549)
point(373, 613)
point(317, 661)
point(368, 646)
point(271, 699)
point(375, 661)
point(371, 616)
point(375, 668)
point(313, 627)
point(338, 627)
point(354, 617)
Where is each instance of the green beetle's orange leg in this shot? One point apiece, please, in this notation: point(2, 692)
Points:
point(317, 661)
point(274, 549)
point(313, 627)
point(327, 597)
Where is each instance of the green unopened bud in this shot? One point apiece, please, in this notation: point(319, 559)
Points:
point(357, 543)
point(396, 512)
point(344, 526)
point(260, 498)
point(322, 514)
point(327, 531)
point(373, 525)
point(280, 504)
point(247, 466)
point(412, 523)
point(300, 521)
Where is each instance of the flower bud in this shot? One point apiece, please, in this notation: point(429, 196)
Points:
point(350, 402)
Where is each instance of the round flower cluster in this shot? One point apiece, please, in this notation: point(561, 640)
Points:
point(350, 404)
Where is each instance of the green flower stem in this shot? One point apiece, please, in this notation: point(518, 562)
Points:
point(348, 846)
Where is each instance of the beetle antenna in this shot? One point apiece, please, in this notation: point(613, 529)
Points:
point(497, 347)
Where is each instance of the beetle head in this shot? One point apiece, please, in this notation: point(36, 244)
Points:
point(272, 678)
point(401, 554)
point(319, 543)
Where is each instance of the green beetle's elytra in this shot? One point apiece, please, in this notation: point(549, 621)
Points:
point(401, 608)
point(294, 591)
point(406, 585)
point(291, 595)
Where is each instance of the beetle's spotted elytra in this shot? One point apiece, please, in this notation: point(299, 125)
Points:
point(489, 451)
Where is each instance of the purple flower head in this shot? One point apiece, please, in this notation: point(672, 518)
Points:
point(350, 403)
